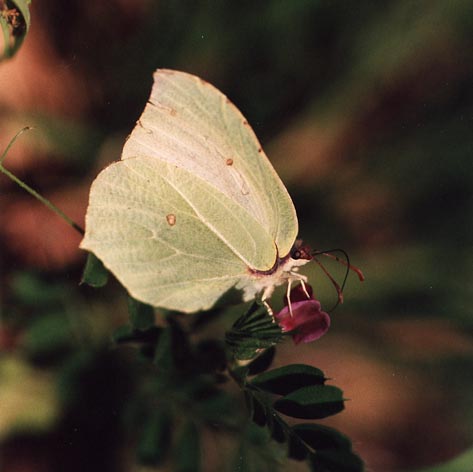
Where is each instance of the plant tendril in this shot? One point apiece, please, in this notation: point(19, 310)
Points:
point(30, 190)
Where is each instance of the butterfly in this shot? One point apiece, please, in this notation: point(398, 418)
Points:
point(194, 209)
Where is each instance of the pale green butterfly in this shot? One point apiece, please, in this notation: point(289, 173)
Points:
point(194, 208)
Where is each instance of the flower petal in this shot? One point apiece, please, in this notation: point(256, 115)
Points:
point(308, 321)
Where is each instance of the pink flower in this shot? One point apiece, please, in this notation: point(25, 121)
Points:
point(308, 321)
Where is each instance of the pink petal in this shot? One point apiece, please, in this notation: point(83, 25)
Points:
point(308, 321)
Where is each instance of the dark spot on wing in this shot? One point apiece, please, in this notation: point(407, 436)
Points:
point(171, 219)
point(229, 161)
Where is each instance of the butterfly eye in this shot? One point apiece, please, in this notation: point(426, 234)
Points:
point(296, 254)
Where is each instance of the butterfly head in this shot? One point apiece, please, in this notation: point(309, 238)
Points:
point(300, 252)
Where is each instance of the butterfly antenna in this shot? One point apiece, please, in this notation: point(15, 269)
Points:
point(346, 263)
point(334, 282)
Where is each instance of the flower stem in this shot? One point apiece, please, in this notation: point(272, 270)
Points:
point(33, 192)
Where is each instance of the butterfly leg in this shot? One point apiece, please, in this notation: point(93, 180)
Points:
point(288, 295)
point(266, 294)
point(303, 280)
point(305, 288)
point(269, 309)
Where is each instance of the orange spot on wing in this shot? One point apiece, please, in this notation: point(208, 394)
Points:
point(171, 219)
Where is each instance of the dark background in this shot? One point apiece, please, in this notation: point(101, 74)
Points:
point(365, 110)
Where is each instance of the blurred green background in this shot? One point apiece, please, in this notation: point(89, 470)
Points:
point(365, 110)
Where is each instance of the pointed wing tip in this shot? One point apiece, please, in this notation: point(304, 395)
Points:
point(160, 73)
point(170, 72)
point(165, 71)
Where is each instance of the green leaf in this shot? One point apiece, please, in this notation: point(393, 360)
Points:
point(334, 460)
point(253, 331)
point(141, 315)
point(244, 349)
point(95, 274)
point(314, 402)
point(187, 450)
point(319, 436)
point(332, 449)
point(15, 22)
point(297, 449)
point(255, 319)
point(246, 346)
point(155, 438)
point(289, 378)
point(262, 362)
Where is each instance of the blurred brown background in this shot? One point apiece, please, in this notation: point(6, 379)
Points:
point(366, 111)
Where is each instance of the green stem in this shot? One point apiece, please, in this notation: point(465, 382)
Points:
point(33, 192)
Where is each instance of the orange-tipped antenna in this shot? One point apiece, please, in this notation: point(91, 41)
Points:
point(346, 263)
point(334, 282)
